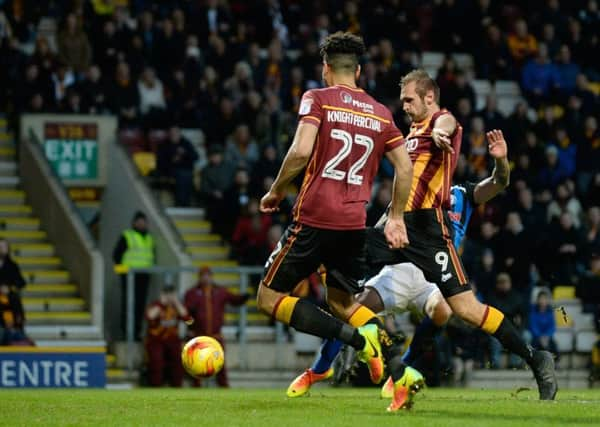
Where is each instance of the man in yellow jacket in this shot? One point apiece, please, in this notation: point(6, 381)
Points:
point(135, 249)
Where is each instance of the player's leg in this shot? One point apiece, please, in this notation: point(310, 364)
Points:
point(493, 321)
point(296, 256)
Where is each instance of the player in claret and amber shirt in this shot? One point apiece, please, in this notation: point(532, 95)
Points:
point(434, 144)
point(342, 135)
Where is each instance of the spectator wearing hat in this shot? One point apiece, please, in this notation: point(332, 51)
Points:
point(206, 304)
point(135, 249)
point(163, 346)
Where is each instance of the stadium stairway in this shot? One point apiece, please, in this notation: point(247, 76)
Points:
point(56, 314)
point(208, 249)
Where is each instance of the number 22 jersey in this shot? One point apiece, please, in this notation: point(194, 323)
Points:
point(354, 133)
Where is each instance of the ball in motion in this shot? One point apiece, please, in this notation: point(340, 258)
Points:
point(202, 357)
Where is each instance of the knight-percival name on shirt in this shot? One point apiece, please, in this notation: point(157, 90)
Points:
point(354, 119)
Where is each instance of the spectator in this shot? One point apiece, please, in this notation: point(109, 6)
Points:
point(12, 318)
point(73, 45)
point(163, 345)
point(249, 239)
point(496, 60)
point(588, 153)
point(241, 150)
point(566, 72)
point(216, 178)
point(175, 160)
point(12, 283)
point(135, 249)
point(484, 273)
point(459, 89)
point(551, 174)
point(539, 78)
point(530, 211)
point(152, 99)
point(564, 201)
point(62, 79)
point(515, 254)
point(492, 118)
point(477, 147)
point(511, 304)
point(542, 324)
point(521, 44)
point(235, 199)
point(94, 91)
point(124, 97)
point(206, 304)
point(564, 250)
point(591, 232)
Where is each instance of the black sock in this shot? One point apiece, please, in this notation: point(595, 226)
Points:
point(510, 338)
point(396, 367)
point(310, 319)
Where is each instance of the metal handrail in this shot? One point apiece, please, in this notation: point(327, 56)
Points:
point(244, 272)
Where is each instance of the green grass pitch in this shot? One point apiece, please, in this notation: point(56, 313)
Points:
point(209, 407)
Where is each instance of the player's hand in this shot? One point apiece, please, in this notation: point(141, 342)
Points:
point(270, 202)
point(496, 144)
point(442, 140)
point(395, 233)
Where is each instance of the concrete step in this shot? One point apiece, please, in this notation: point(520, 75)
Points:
point(7, 153)
point(19, 223)
point(63, 332)
point(32, 249)
point(53, 304)
point(186, 213)
point(8, 168)
point(253, 333)
point(38, 263)
point(256, 319)
point(59, 318)
point(46, 276)
point(192, 226)
point(203, 240)
point(15, 210)
point(49, 290)
point(9, 197)
point(6, 137)
point(216, 263)
point(203, 253)
point(227, 279)
point(111, 360)
point(9, 182)
point(23, 235)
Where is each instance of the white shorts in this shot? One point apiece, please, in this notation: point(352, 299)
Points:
point(403, 287)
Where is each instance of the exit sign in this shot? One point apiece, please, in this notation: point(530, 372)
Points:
point(72, 149)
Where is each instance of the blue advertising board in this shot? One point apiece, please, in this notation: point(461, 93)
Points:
point(52, 367)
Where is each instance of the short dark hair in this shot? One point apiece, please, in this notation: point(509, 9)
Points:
point(342, 51)
point(423, 83)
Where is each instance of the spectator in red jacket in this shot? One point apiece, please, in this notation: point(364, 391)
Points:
point(206, 304)
point(163, 346)
point(250, 235)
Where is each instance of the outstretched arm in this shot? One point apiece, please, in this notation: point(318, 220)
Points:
point(295, 160)
point(491, 186)
point(443, 128)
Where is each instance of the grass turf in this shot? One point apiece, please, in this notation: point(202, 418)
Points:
point(325, 407)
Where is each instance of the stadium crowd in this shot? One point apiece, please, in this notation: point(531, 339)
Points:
point(237, 70)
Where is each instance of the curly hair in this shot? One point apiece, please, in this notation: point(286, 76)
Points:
point(341, 51)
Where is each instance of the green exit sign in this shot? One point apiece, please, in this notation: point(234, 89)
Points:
point(72, 150)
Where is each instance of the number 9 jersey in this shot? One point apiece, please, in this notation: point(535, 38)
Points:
point(354, 133)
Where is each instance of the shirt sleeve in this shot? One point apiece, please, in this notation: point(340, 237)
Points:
point(310, 110)
point(392, 137)
point(470, 192)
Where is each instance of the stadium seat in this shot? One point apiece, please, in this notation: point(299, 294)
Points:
point(561, 321)
point(585, 341)
point(481, 87)
point(507, 104)
point(565, 340)
point(563, 292)
point(145, 161)
point(432, 60)
point(463, 61)
point(507, 87)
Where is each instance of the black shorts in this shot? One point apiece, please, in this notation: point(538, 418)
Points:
point(302, 249)
point(430, 249)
